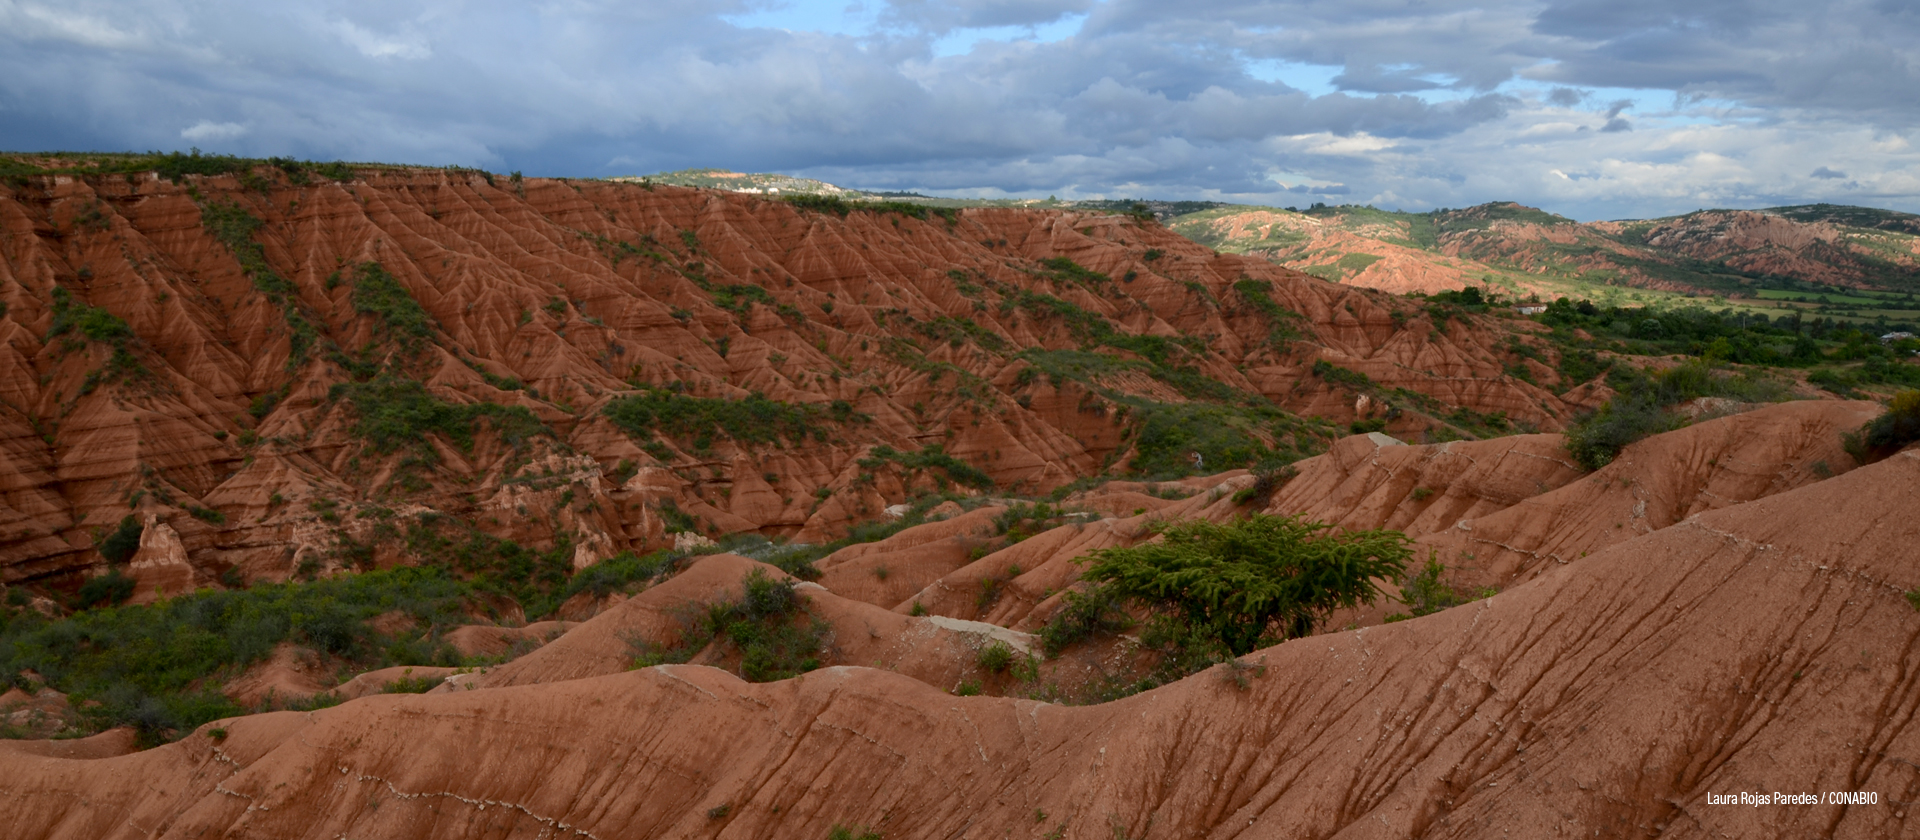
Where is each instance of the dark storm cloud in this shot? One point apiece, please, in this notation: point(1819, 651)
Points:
point(1827, 174)
point(1437, 103)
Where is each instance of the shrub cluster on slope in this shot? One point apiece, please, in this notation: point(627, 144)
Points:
point(1899, 426)
point(754, 419)
point(380, 294)
point(158, 668)
point(931, 456)
point(395, 413)
point(769, 627)
point(1227, 428)
point(234, 227)
point(1641, 407)
point(80, 322)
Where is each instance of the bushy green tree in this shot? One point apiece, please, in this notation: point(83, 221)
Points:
point(123, 542)
point(1238, 581)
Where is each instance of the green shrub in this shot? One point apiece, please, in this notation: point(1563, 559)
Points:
point(1025, 519)
point(94, 323)
point(996, 657)
point(1336, 374)
point(959, 330)
point(820, 203)
point(741, 297)
point(1899, 426)
point(841, 207)
point(1596, 440)
point(1268, 478)
point(674, 519)
point(411, 685)
point(763, 626)
point(1082, 615)
point(1425, 593)
point(174, 165)
point(1237, 582)
point(119, 546)
point(231, 225)
point(1578, 367)
point(841, 832)
point(1064, 268)
point(105, 590)
point(535, 578)
point(618, 573)
point(768, 626)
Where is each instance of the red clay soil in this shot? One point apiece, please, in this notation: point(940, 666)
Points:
point(1653, 484)
point(580, 291)
point(1760, 646)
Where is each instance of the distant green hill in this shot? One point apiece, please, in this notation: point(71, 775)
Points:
point(1766, 260)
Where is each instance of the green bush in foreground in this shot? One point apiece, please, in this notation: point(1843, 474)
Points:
point(1237, 583)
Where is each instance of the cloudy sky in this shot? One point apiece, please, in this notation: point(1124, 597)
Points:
point(1590, 108)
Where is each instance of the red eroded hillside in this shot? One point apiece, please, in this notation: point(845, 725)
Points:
point(271, 371)
point(1764, 645)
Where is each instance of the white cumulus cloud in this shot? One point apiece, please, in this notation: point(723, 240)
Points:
point(205, 130)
